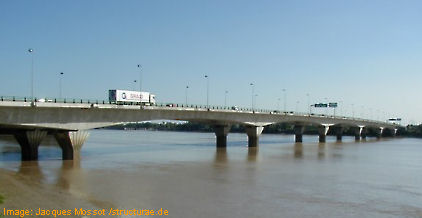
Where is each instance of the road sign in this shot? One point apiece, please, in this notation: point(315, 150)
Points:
point(320, 105)
point(332, 104)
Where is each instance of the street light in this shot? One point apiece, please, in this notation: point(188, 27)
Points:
point(60, 84)
point(353, 110)
point(225, 98)
point(134, 84)
point(278, 104)
point(255, 96)
point(297, 106)
point(32, 75)
point(140, 77)
point(208, 90)
point(326, 109)
point(253, 92)
point(186, 95)
point(285, 101)
point(309, 104)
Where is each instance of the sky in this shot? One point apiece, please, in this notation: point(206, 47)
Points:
point(365, 55)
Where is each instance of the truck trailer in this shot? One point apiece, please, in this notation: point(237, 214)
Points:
point(117, 96)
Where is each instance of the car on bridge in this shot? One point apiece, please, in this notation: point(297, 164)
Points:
point(45, 100)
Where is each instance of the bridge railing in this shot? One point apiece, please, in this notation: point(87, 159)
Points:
point(177, 105)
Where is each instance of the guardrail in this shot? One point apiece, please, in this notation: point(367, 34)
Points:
point(176, 105)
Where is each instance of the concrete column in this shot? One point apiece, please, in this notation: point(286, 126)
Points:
point(71, 143)
point(364, 131)
point(221, 132)
point(29, 142)
point(394, 132)
point(323, 130)
point(339, 133)
point(299, 129)
point(253, 134)
point(358, 133)
point(380, 131)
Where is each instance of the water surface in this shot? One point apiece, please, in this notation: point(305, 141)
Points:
point(185, 174)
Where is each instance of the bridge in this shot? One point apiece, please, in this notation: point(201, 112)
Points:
point(68, 121)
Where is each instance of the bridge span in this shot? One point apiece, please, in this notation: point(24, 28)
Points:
point(67, 122)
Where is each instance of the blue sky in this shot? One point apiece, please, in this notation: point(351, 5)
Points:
point(365, 53)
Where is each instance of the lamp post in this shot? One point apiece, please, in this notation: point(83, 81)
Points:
point(225, 98)
point(134, 84)
point(186, 95)
point(309, 104)
point(353, 111)
point(297, 106)
point(285, 100)
point(208, 90)
point(278, 104)
point(255, 97)
point(326, 109)
point(32, 75)
point(140, 77)
point(253, 93)
point(60, 84)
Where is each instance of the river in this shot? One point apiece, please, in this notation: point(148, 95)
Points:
point(185, 174)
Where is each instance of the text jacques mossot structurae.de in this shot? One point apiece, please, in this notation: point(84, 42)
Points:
point(84, 212)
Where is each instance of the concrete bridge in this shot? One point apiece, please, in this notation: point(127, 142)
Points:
point(30, 122)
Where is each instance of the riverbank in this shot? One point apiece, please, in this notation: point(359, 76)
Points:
point(26, 190)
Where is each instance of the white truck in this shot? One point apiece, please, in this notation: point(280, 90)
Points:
point(117, 96)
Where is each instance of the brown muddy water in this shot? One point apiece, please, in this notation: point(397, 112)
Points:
point(186, 175)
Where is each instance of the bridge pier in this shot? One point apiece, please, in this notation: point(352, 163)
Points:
point(358, 133)
point(339, 133)
point(253, 135)
point(379, 133)
point(299, 129)
point(323, 130)
point(71, 143)
point(221, 132)
point(363, 133)
point(29, 142)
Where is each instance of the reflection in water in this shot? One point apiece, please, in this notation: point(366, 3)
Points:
point(72, 178)
point(31, 169)
point(298, 150)
point(69, 169)
point(321, 151)
point(220, 156)
point(252, 154)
